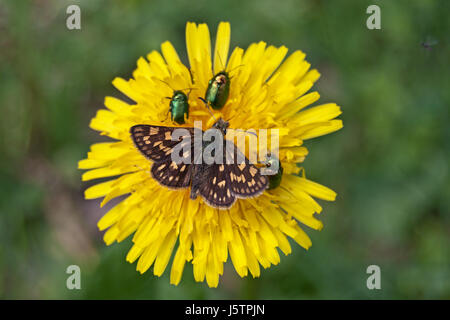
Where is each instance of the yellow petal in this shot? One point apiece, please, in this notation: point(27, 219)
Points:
point(98, 190)
point(221, 47)
point(302, 238)
point(177, 267)
point(165, 253)
point(320, 113)
point(325, 128)
point(315, 189)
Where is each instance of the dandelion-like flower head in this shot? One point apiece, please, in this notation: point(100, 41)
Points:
point(267, 90)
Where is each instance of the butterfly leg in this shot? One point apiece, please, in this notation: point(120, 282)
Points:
point(196, 181)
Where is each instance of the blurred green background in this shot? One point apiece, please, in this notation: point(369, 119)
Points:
point(389, 164)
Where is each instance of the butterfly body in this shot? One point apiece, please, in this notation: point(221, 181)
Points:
point(218, 183)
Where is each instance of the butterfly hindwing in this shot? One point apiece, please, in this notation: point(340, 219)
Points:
point(216, 189)
point(172, 175)
point(245, 178)
point(228, 181)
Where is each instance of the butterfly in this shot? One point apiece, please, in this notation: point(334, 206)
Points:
point(219, 183)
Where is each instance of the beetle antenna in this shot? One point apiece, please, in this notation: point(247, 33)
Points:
point(166, 84)
point(241, 65)
point(190, 89)
point(220, 60)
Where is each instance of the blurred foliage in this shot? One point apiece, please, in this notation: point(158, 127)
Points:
point(389, 165)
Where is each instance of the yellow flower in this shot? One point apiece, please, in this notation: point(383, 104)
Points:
point(267, 91)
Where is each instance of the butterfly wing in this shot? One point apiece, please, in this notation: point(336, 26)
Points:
point(228, 181)
point(172, 175)
point(155, 142)
point(216, 189)
point(245, 178)
point(224, 182)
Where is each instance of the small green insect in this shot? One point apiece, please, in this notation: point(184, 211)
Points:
point(218, 90)
point(179, 104)
point(275, 177)
point(179, 107)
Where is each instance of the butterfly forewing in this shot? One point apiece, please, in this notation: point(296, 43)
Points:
point(154, 142)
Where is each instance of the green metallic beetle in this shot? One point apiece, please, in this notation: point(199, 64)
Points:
point(179, 106)
point(218, 90)
point(275, 178)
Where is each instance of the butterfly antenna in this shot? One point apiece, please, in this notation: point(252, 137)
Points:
point(233, 116)
point(240, 130)
point(207, 108)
